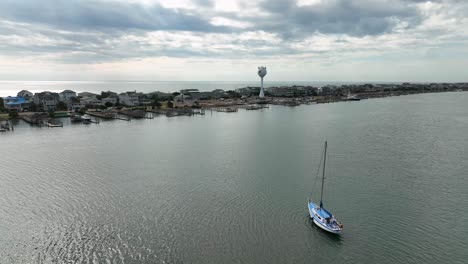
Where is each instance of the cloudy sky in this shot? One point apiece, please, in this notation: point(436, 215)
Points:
point(225, 40)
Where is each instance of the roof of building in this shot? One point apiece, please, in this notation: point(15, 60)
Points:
point(46, 95)
point(24, 91)
point(15, 100)
point(67, 91)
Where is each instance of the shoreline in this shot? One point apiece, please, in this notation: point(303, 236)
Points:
point(191, 102)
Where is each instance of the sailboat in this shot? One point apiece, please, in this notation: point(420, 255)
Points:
point(322, 217)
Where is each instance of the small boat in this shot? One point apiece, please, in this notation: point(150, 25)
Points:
point(322, 217)
point(86, 119)
point(54, 123)
point(76, 118)
point(253, 107)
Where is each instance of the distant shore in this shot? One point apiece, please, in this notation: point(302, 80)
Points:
point(193, 102)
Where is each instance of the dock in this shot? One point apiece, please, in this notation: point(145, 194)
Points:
point(255, 107)
point(226, 109)
point(103, 115)
point(38, 119)
point(136, 113)
point(171, 112)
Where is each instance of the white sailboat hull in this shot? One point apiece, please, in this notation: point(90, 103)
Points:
point(326, 228)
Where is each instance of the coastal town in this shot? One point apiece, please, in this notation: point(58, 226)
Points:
point(44, 108)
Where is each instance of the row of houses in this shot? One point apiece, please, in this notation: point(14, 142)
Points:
point(50, 101)
point(192, 95)
point(24, 100)
point(281, 91)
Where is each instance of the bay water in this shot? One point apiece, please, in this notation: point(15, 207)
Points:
point(233, 187)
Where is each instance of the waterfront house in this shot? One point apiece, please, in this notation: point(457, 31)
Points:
point(46, 101)
point(159, 95)
point(282, 91)
point(113, 99)
point(27, 95)
point(87, 95)
point(130, 98)
point(191, 95)
point(17, 103)
point(248, 91)
point(75, 105)
point(144, 100)
point(87, 98)
point(187, 95)
point(218, 93)
point(93, 101)
point(67, 95)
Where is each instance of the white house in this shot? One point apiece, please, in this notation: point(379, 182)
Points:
point(113, 99)
point(129, 98)
point(67, 95)
point(90, 101)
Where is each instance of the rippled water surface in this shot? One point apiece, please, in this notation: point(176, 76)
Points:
point(232, 187)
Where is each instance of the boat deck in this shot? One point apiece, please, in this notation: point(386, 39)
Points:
point(321, 212)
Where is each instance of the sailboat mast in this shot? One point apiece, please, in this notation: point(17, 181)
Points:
point(323, 173)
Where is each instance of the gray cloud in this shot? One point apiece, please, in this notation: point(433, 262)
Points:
point(204, 3)
point(357, 18)
point(99, 15)
point(92, 31)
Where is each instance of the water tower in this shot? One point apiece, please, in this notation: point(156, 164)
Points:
point(262, 72)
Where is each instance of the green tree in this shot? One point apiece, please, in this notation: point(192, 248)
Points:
point(33, 107)
point(13, 114)
point(103, 95)
point(233, 94)
point(62, 106)
point(108, 104)
point(2, 109)
point(170, 104)
point(156, 104)
point(155, 101)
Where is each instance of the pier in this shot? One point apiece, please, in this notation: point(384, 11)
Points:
point(255, 107)
point(226, 109)
point(38, 119)
point(103, 114)
point(171, 112)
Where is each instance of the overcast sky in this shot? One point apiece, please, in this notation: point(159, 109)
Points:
point(225, 40)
